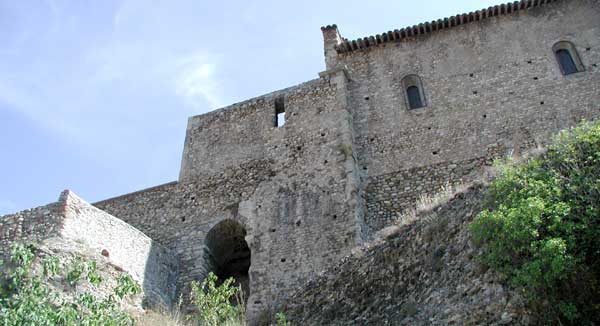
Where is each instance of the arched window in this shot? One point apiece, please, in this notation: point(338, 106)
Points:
point(413, 92)
point(414, 98)
point(567, 58)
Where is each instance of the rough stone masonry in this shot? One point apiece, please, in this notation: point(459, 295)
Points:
point(393, 117)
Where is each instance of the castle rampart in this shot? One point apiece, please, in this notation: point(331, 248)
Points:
point(353, 154)
point(394, 117)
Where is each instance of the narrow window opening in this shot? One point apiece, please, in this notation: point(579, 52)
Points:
point(279, 112)
point(566, 62)
point(414, 97)
point(567, 58)
point(413, 92)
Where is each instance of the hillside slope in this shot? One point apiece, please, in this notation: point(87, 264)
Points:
point(422, 273)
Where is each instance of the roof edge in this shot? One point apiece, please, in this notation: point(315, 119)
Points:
point(436, 25)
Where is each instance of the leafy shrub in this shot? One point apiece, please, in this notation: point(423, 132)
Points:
point(543, 227)
point(126, 286)
point(281, 319)
point(218, 304)
point(26, 299)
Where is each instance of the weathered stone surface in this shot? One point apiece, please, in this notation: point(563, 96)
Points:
point(72, 226)
point(418, 274)
point(352, 157)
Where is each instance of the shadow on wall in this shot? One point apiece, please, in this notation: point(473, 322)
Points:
point(228, 254)
point(160, 279)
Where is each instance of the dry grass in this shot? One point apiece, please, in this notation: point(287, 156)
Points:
point(425, 204)
point(152, 318)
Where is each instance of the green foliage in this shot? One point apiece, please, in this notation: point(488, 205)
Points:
point(281, 319)
point(27, 300)
point(543, 226)
point(50, 266)
point(92, 274)
point(126, 286)
point(218, 304)
point(75, 270)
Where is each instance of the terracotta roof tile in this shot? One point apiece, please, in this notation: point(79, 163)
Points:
point(436, 25)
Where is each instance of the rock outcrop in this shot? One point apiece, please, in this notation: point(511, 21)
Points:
point(421, 273)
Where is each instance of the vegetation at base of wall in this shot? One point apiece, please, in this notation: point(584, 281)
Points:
point(281, 319)
point(218, 304)
point(542, 229)
point(223, 304)
point(26, 298)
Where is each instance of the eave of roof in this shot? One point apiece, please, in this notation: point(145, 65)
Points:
point(437, 25)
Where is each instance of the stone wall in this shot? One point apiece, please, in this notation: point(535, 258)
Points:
point(351, 156)
point(34, 225)
point(492, 88)
point(73, 222)
point(293, 189)
point(422, 273)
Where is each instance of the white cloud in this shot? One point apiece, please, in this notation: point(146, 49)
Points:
point(196, 82)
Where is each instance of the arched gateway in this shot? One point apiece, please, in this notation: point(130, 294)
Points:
point(229, 254)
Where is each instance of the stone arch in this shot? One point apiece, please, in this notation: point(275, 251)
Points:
point(567, 58)
point(228, 252)
point(414, 94)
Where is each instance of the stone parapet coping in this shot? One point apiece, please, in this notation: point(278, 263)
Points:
point(436, 25)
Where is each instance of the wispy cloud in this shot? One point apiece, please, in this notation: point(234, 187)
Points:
point(196, 82)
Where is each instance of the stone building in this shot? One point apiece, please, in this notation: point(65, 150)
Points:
point(274, 189)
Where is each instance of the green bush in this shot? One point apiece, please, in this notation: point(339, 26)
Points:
point(26, 299)
point(281, 319)
point(542, 229)
point(218, 304)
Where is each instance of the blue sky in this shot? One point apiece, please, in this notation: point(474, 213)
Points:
point(95, 95)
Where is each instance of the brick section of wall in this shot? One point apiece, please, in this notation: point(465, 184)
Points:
point(390, 195)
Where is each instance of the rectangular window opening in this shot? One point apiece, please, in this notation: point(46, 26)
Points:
point(279, 112)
